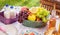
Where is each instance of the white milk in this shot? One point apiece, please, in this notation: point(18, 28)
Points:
point(7, 13)
point(12, 12)
point(17, 9)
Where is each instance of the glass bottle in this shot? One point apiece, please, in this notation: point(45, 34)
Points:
point(52, 21)
point(58, 25)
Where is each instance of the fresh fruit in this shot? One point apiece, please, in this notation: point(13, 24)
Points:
point(32, 17)
point(38, 19)
point(44, 20)
point(20, 19)
point(32, 33)
point(24, 8)
point(43, 14)
point(25, 34)
point(34, 9)
point(23, 15)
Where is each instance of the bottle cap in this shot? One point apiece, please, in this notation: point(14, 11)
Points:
point(11, 7)
point(7, 5)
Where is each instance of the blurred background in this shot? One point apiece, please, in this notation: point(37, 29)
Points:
point(28, 3)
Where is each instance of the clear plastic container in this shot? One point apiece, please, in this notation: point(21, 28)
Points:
point(12, 12)
point(5, 7)
point(29, 32)
point(9, 16)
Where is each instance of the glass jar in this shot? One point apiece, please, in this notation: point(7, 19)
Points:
point(52, 21)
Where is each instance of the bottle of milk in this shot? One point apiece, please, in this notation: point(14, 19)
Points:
point(12, 12)
point(17, 9)
point(7, 12)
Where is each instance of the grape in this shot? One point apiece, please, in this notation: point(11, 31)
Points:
point(23, 14)
point(43, 14)
point(44, 19)
point(24, 8)
point(20, 19)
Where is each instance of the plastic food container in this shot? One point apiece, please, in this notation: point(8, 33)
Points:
point(9, 15)
point(34, 24)
point(7, 21)
point(29, 32)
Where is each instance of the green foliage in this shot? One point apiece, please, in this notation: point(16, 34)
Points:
point(28, 3)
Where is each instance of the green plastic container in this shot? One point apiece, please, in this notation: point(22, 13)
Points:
point(34, 24)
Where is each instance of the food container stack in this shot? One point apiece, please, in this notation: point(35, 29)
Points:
point(9, 14)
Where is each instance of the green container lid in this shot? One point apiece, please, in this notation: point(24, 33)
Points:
point(34, 24)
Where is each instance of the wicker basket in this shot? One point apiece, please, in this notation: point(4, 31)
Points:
point(51, 4)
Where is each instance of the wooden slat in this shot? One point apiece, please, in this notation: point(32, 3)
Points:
point(51, 4)
point(47, 3)
point(57, 10)
point(58, 7)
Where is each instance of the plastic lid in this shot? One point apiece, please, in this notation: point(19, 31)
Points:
point(11, 7)
point(7, 5)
